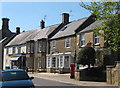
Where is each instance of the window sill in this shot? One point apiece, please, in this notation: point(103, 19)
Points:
point(97, 44)
point(82, 46)
point(67, 47)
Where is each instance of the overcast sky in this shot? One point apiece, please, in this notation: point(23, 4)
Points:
point(27, 15)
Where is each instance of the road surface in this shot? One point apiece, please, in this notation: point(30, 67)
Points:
point(44, 83)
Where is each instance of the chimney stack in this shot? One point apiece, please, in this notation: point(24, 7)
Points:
point(65, 18)
point(5, 23)
point(42, 24)
point(17, 30)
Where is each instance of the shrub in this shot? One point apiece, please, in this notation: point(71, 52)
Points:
point(86, 56)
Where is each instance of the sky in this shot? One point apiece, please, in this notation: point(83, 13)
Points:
point(27, 15)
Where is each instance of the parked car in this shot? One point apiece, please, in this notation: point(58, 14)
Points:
point(15, 78)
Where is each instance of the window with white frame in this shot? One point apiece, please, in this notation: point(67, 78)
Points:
point(53, 44)
point(7, 50)
point(82, 40)
point(40, 46)
point(28, 47)
point(53, 62)
point(48, 62)
point(96, 39)
point(19, 49)
point(44, 46)
point(39, 62)
point(61, 61)
point(32, 47)
point(57, 62)
point(14, 50)
point(66, 61)
point(67, 43)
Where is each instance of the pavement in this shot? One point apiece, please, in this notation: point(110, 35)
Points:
point(65, 78)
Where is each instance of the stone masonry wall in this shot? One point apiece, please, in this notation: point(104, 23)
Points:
point(113, 74)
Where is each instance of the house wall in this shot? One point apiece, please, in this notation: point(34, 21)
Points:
point(41, 55)
point(89, 36)
point(60, 45)
point(6, 60)
point(61, 50)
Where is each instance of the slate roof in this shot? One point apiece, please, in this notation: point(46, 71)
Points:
point(69, 29)
point(32, 35)
point(91, 27)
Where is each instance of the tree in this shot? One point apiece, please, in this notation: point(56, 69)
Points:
point(86, 56)
point(109, 13)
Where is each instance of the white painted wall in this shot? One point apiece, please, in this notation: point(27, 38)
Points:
point(6, 61)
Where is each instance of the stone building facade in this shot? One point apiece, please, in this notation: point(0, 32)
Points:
point(63, 45)
point(113, 74)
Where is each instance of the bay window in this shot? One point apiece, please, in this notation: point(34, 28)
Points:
point(53, 62)
point(61, 61)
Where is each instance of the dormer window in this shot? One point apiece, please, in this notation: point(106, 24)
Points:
point(63, 28)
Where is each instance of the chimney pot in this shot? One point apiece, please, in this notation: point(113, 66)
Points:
point(17, 30)
point(42, 24)
point(65, 18)
point(5, 23)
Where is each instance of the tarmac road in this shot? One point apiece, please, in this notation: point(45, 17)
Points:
point(44, 83)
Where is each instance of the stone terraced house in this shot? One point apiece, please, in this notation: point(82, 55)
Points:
point(63, 45)
point(29, 48)
point(52, 48)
